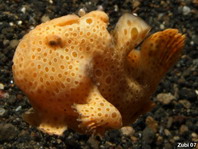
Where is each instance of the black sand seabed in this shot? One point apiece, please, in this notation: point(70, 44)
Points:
point(163, 127)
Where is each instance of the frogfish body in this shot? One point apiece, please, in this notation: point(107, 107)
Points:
point(78, 75)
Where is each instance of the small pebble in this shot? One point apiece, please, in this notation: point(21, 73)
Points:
point(135, 14)
point(19, 22)
point(187, 93)
point(183, 129)
point(19, 97)
point(51, 1)
point(167, 132)
point(1, 86)
point(176, 138)
point(179, 119)
point(136, 3)
point(159, 139)
point(2, 111)
point(11, 81)
point(100, 7)
point(31, 27)
point(116, 8)
point(185, 103)
point(11, 24)
point(134, 139)
point(82, 12)
point(165, 98)
point(18, 108)
point(192, 43)
point(186, 10)
point(14, 43)
point(8, 132)
point(45, 18)
point(162, 26)
point(169, 122)
point(23, 9)
point(196, 91)
point(195, 39)
point(148, 135)
point(128, 131)
point(94, 143)
point(146, 146)
point(5, 42)
point(3, 94)
point(168, 146)
point(59, 141)
point(12, 99)
point(194, 135)
point(152, 123)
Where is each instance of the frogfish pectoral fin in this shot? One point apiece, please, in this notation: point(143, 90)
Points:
point(98, 114)
point(52, 125)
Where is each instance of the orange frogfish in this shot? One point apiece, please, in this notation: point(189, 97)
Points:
point(79, 75)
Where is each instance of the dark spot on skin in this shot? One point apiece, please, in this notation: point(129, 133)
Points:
point(54, 41)
point(150, 53)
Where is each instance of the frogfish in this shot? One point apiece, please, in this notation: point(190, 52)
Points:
point(78, 75)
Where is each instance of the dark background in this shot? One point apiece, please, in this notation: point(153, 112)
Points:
point(175, 118)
